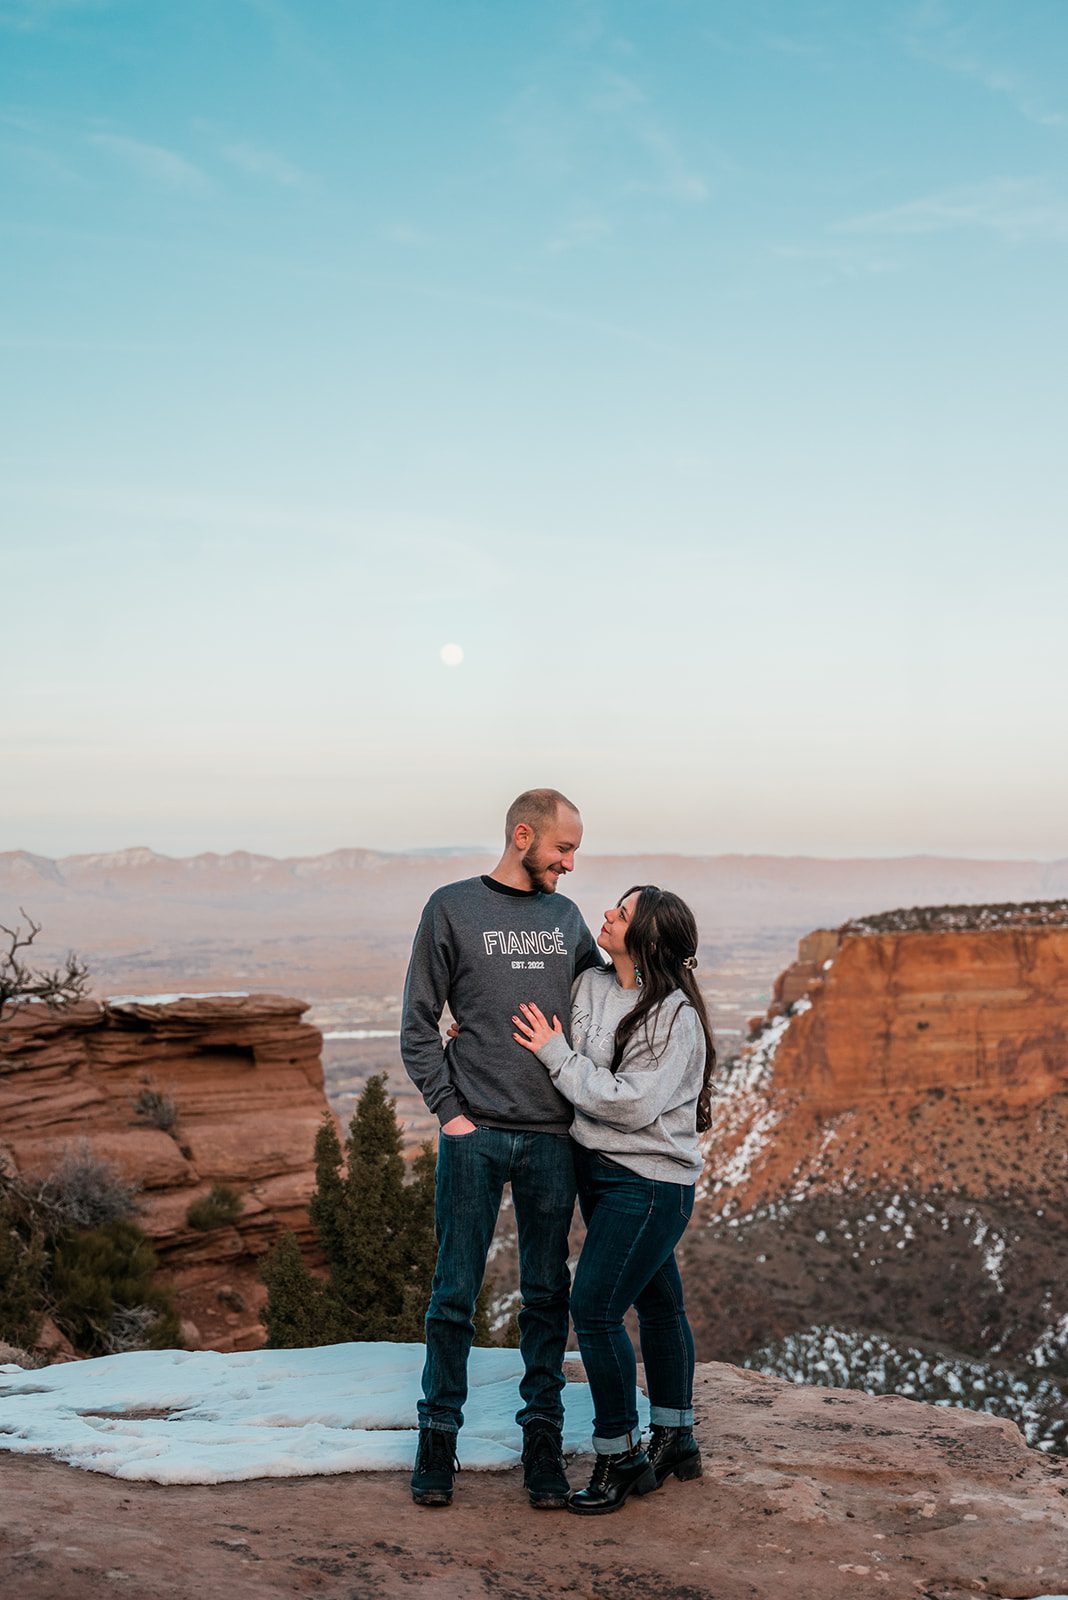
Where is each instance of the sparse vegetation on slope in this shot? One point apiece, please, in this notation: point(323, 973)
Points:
point(947, 919)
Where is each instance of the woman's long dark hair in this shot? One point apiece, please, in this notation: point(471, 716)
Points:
point(661, 938)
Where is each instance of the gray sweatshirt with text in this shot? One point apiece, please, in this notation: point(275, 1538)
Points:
point(643, 1115)
point(483, 948)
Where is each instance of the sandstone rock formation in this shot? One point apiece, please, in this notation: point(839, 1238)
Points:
point(808, 1494)
point(890, 1149)
point(245, 1076)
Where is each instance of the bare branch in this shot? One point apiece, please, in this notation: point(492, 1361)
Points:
point(19, 982)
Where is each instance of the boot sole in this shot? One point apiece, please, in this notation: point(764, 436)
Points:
point(646, 1484)
point(432, 1497)
point(551, 1502)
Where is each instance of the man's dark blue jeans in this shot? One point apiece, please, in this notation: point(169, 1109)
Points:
point(632, 1227)
point(472, 1171)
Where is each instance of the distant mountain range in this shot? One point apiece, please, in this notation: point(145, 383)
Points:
point(341, 924)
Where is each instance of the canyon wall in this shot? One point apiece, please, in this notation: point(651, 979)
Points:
point(890, 1149)
point(982, 1012)
point(244, 1073)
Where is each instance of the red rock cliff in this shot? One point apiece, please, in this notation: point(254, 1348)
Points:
point(245, 1074)
point(889, 1150)
point(984, 1012)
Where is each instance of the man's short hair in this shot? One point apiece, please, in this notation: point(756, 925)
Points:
point(537, 808)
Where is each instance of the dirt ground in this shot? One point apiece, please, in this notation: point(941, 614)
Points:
point(807, 1495)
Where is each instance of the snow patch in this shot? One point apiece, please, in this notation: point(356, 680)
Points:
point(176, 1416)
point(365, 1033)
point(119, 1000)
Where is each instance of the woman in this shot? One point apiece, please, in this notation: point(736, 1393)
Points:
point(638, 1073)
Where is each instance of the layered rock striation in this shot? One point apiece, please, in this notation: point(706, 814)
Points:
point(243, 1075)
point(890, 1150)
point(984, 1013)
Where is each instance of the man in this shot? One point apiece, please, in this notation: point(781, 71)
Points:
point(483, 946)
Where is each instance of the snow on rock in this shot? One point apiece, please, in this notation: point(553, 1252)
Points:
point(739, 1164)
point(753, 1068)
point(849, 1358)
point(119, 1000)
point(176, 1416)
point(365, 1033)
point(1052, 1345)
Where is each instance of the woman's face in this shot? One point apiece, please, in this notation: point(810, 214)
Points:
point(612, 937)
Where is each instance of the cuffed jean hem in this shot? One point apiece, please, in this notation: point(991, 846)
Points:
point(438, 1425)
point(615, 1447)
point(670, 1417)
point(554, 1418)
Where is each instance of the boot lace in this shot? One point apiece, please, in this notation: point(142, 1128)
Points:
point(437, 1451)
point(541, 1444)
point(659, 1439)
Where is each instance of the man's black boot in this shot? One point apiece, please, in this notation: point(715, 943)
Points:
point(435, 1462)
point(674, 1450)
point(544, 1477)
point(614, 1478)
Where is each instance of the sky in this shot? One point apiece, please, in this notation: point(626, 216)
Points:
point(698, 368)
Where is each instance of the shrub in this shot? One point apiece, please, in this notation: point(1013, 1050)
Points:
point(223, 1205)
point(87, 1191)
point(22, 1268)
point(101, 1274)
point(129, 1328)
point(156, 1109)
point(13, 1355)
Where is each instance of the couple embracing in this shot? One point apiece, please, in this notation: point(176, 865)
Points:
point(564, 1075)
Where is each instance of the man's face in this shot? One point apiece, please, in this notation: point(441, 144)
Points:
point(552, 853)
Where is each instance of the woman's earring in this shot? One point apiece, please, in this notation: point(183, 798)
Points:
point(638, 976)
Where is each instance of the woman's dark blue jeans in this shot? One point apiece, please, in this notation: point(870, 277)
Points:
point(632, 1227)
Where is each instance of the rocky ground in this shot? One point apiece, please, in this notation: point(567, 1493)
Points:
point(807, 1493)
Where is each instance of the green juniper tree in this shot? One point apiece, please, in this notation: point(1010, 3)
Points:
point(374, 1217)
point(299, 1311)
point(421, 1245)
point(376, 1232)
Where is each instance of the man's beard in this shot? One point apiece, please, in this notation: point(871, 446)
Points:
point(540, 876)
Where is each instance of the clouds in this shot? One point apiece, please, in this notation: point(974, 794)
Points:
point(30, 16)
point(1016, 210)
point(605, 155)
point(54, 152)
point(153, 162)
point(977, 44)
point(260, 163)
point(611, 126)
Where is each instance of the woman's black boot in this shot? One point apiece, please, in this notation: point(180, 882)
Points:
point(613, 1479)
point(674, 1450)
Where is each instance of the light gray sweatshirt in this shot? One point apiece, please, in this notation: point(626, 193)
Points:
point(643, 1115)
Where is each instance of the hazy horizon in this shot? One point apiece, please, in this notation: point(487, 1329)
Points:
point(488, 849)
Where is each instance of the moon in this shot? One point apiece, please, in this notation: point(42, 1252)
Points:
point(451, 654)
